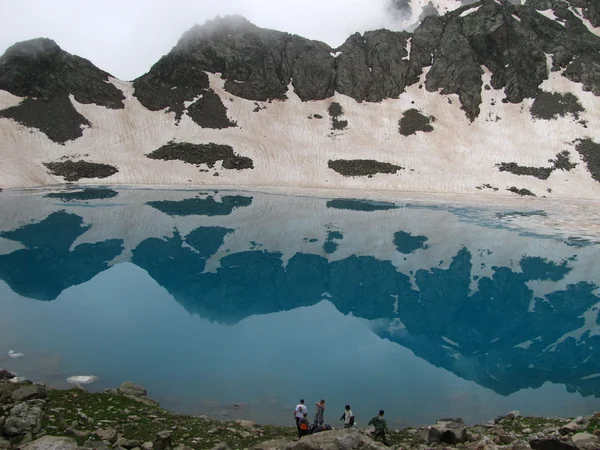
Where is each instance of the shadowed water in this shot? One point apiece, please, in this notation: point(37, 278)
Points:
point(237, 304)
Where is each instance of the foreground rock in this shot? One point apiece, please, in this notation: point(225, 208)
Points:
point(326, 440)
point(52, 443)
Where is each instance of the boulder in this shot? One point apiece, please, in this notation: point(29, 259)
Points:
point(586, 441)
point(77, 433)
point(128, 443)
point(274, 444)
point(28, 392)
point(4, 444)
point(221, 446)
point(24, 418)
point(110, 435)
point(52, 443)
point(348, 439)
point(444, 432)
point(162, 440)
point(569, 428)
point(147, 446)
point(483, 444)
point(5, 374)
point(508, 416)
point(128, 388)
point(245, 423)
point(550, 444)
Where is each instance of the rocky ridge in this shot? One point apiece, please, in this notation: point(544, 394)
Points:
point(34, 417)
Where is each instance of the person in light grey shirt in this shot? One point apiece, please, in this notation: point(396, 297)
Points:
point(320, 413)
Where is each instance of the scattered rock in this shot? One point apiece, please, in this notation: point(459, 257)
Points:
point(586, 441)
point(569, 428)
point(77, 433)
point(28, 392)
point(24, 418)
point(52, 443)
point(550, 444)
point(128, 388)
point(162, 440)
point(109, 434)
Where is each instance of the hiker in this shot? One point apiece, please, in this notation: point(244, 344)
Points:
point(380, 427)
point(300, 411)
point(320, 412)
point(348, 417)
point(303, 426)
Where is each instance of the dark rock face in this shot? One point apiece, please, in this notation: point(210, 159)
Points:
point(75, 170)
point(522, 192)
point(539, 172)
point(550, 105)
point(55, 117)
point(590, 153)
point(373, 67)
point(362, 167)
point(257, 64)
point(209, 111)
point(41, 71)
point(414, 121)
point(198, 154)
point(335, 111)
point(561, 162)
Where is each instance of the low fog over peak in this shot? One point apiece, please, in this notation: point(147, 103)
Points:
point(126, 38)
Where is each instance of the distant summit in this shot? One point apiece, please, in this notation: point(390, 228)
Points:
point(489, 96)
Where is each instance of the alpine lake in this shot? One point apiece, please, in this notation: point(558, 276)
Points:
point(236, 304)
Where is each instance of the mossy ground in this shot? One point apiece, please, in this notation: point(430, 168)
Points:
point(83, 411)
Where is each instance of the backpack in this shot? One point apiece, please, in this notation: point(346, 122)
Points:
point(351, 420)
point(303, 426)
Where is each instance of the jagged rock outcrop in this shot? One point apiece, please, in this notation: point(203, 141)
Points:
point(47, 75)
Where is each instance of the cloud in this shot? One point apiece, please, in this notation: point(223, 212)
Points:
point(126, 38)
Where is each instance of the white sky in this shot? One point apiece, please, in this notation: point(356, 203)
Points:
point(125, 37)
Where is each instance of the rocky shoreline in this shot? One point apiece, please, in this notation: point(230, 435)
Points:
point(34, 417)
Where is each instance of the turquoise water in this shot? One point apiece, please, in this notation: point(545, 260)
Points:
point(237, 304)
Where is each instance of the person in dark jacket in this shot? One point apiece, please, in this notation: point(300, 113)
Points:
point(380, 427)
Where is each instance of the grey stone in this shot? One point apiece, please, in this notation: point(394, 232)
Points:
point(550, 444)
point(586, 441)
point(5, 374)
point(162, 440)
point(109, 434)
point(128, 388)
point(221, 446)
point(29, 392)
point(4, 444)
point(147, 445)
point(52, 443)
point(23, 418)
point(127, 443)
point(77, 433)
point(569, 428)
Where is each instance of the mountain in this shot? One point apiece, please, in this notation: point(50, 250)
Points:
point(491, 97)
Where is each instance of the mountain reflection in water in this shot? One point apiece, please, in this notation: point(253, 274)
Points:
point(464, 289)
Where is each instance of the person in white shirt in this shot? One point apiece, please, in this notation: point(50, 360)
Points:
point(300, 411)
point(348, 417)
